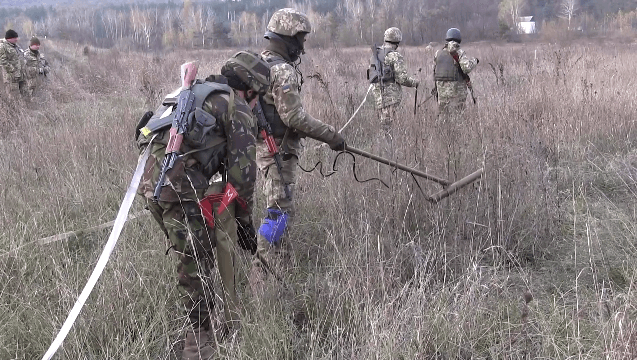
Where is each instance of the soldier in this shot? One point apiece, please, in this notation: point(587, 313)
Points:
point(221, 141)
point(12, 63)
point(289, 121)
point(36, 66)
point(451, 69)
point(388, 91)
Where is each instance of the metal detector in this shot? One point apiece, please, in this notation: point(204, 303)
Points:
point(448, 187)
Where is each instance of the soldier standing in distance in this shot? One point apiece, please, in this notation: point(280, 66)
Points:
point(222, 142)
point(12, 63)
point(36, 66)
point(389, 94)
point(290, 122)
point(451, 65)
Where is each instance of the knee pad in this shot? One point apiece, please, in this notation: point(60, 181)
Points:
point(274, 225)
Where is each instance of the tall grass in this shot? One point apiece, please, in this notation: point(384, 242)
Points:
point(536, 261)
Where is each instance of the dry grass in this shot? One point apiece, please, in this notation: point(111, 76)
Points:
point(379, 273)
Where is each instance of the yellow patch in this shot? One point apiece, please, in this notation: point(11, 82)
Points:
point(146, 131)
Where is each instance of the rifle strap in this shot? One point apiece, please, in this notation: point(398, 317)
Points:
point(456, 58)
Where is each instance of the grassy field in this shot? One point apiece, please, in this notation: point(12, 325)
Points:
point(536, 261)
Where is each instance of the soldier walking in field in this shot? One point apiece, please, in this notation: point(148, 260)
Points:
point(36, 66)
point(12, 63)
point(289, 122)
point(196, 217)
point(451, 74)
point(387, 88)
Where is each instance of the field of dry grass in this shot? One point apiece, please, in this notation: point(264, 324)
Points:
point(536, 261)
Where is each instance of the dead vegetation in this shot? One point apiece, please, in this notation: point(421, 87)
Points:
point(534, 261)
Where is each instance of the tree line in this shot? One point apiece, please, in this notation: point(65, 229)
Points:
point(209, 24)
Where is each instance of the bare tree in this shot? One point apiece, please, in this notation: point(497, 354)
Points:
point(568, 9)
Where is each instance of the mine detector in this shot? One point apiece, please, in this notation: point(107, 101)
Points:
point(448, 187)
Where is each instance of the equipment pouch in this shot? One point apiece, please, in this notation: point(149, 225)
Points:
point(200, 124)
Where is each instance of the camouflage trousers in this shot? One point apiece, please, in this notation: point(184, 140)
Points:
point(32, 86)
point(277, 255)
point(452, 99)
point(387, 117)
point(193, 241)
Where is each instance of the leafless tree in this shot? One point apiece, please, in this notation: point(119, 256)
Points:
point(568, 9)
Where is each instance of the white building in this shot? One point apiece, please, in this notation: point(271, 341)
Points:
point(526, 25)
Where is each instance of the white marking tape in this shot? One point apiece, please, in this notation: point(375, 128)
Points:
point(106, 254)
point(358, 108)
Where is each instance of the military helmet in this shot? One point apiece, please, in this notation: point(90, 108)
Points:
point(453, 34)
point(289, 22)
point(393, 35)
point(250, 68)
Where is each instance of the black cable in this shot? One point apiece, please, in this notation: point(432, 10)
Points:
point(319, 165)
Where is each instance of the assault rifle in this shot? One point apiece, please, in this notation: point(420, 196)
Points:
point(266, 134)
point(464, 76)
point(185, 102)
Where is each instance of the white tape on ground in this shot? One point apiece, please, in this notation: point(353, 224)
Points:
point(106, 254)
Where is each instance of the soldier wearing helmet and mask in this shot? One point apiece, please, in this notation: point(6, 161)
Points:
point(451, 67)
point(195, 216)
point(284, 111)
point(389, 94)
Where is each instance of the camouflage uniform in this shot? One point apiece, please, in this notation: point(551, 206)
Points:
point(388, 101)
point(36, 68)
point(12, 63)
point(232, 148)
point(452, 95)
point(293, 123)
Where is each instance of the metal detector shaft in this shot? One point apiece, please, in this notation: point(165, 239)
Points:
point(440, 181)
point(456, 186)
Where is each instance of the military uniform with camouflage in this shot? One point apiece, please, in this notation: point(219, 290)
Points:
point(290, 122)
point(221, 141)
point(12, 63)
point(452, 66)
point(388, 94)
point(36, 66)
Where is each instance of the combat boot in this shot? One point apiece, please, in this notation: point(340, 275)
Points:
point(197, 345)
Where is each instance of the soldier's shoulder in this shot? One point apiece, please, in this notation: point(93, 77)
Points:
point(217, 103)
point(394, 55)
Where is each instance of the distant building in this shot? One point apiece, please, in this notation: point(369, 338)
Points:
point(526, 25)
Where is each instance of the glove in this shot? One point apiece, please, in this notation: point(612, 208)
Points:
point(247, 236)
point(337, 143)
point(142, 122)
point(41, 71)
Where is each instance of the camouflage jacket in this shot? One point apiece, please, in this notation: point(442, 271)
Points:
point(35, 64)
point(457, 89)
point(284, 95)
point(392, 93)
point(230, 150)
point(11, 61)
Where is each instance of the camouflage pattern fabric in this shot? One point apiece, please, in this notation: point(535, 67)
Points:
point(12, 64)
point(393, 34)
point(387, 117)
point(392, 92)
point(36, 67)
point(178, 213)
point(284, 95)
point(452, 95)
point(289, 22)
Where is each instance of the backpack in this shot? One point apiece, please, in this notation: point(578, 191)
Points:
point(378, 71)
point(200, 122)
